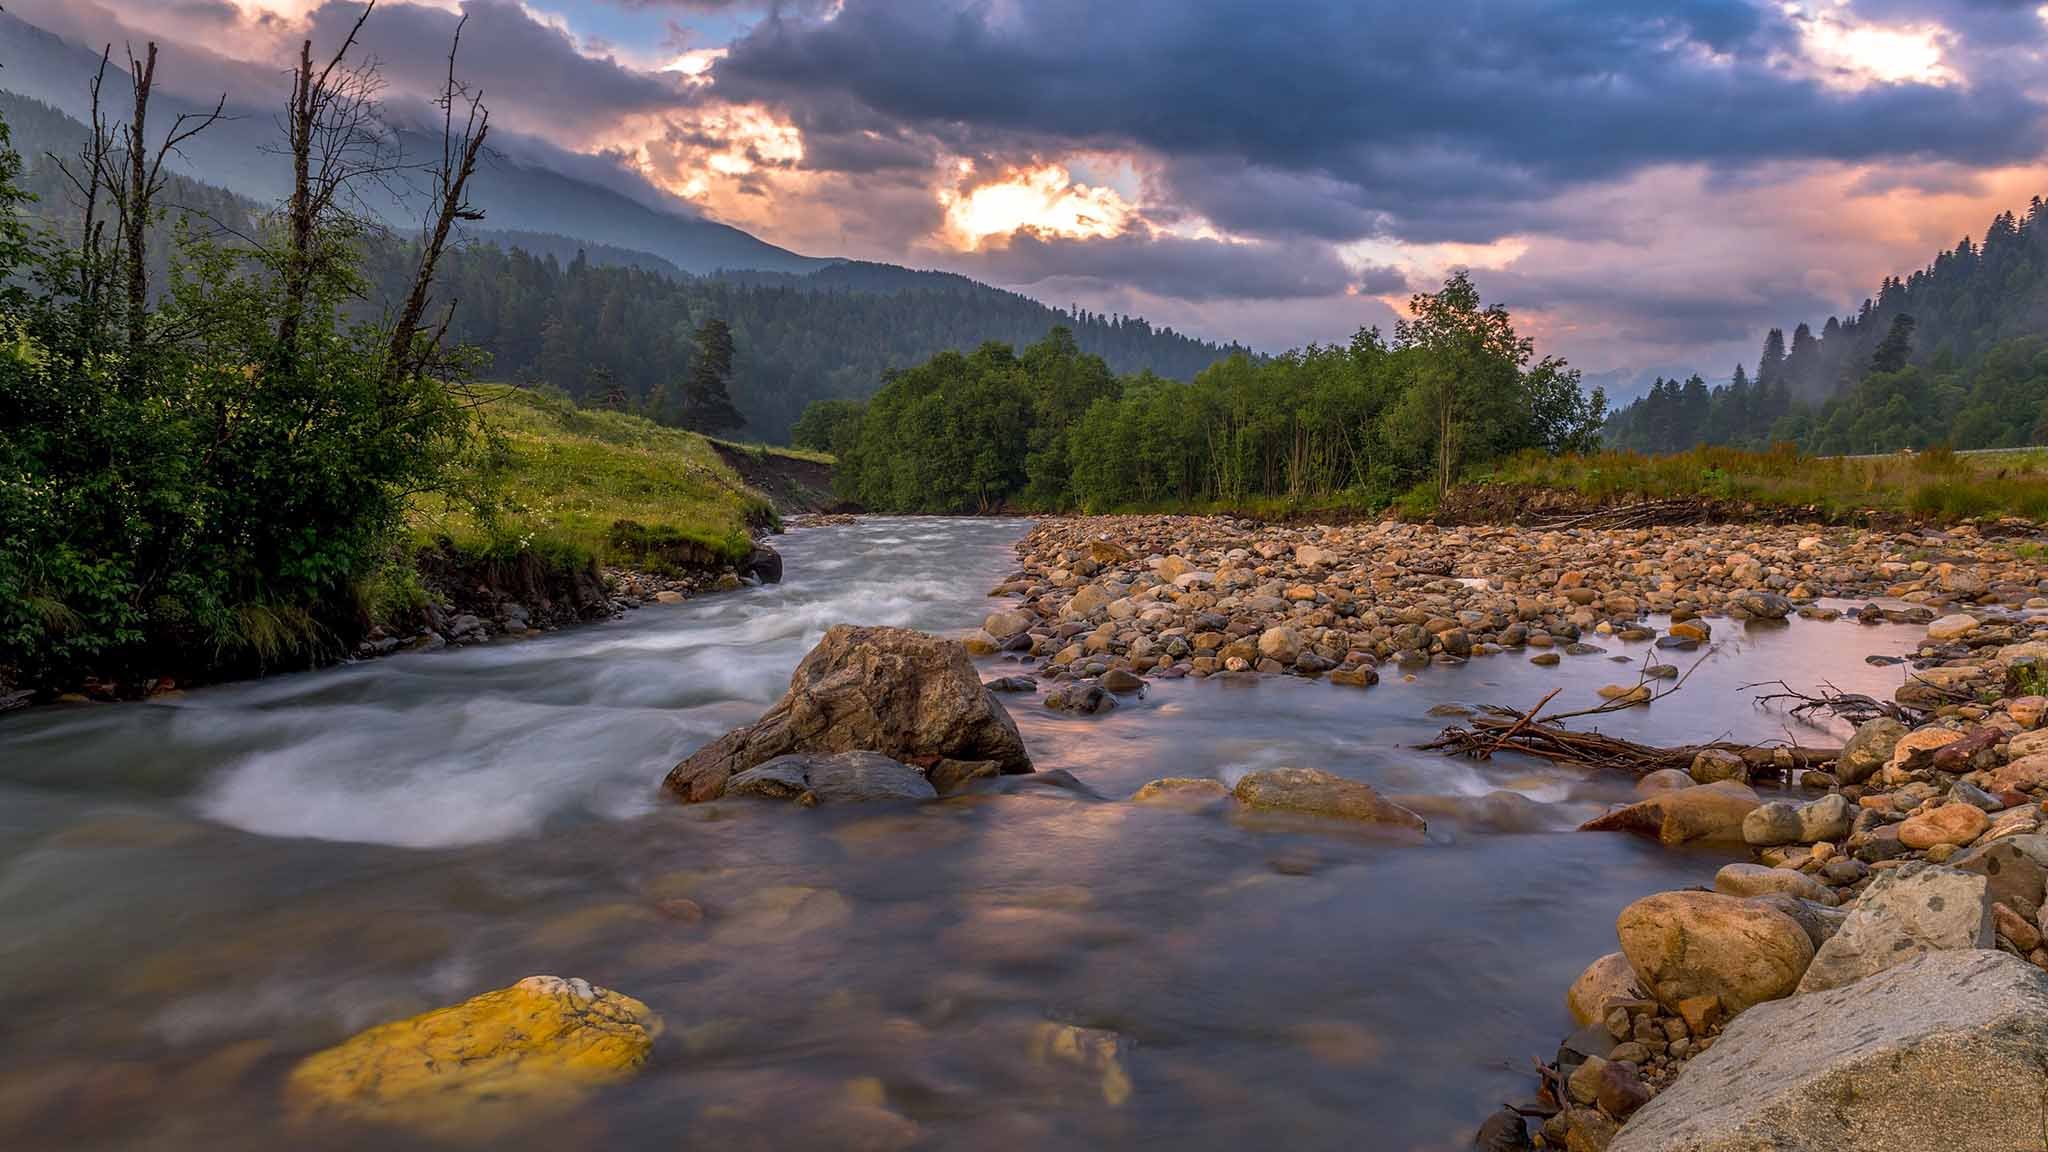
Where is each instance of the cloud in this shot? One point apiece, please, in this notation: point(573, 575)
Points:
point(535, 76)
point(1371, 116)
point(1190, 269)
point(1644, 184)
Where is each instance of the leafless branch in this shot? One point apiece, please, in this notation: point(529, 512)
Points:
point(460, 149)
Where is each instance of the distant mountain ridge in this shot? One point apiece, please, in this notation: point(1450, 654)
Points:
point(583, 315)
point(515, 195)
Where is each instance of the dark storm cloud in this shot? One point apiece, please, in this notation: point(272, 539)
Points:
point(1658, 312)
point(1317, 117)
point(1186, 268)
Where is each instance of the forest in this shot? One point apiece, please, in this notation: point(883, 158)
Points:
point(1954, 354)
point(1052, 427)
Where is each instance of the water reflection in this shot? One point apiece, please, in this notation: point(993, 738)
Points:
point(194, 894)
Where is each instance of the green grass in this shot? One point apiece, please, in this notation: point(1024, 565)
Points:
point(1934, 485)
point(788, 453)
point(564, 476)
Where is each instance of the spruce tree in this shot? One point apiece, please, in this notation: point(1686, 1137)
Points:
point(707, 406)
point(1897, 345)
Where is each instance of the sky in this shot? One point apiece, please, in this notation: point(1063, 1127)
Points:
point(1647, 186)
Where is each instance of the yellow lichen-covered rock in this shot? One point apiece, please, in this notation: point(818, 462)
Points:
point(478, 1067)
point(1096, 1049)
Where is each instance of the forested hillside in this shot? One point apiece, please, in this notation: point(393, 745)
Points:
point(1955, 353)
point(597, 321)
point(585, 327)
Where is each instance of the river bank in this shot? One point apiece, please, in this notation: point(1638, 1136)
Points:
point(1937, 793)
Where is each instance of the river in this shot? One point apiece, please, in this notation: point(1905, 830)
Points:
point(197, 891)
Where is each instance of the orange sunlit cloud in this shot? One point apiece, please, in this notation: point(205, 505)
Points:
point(1044, 199)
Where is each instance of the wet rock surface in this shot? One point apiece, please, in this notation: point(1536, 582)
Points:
point(840, 778)
point(892, 691)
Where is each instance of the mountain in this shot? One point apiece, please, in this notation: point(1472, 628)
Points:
point(517, 192)
point(1955, 353)
point(586, 317)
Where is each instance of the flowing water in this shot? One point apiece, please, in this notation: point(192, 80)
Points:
point(196, 892)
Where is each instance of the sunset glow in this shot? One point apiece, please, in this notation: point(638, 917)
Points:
point(1045, 200)
point(1855, 55)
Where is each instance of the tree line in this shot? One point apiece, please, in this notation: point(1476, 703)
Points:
point(1956, 354)
point(1053, 427)
point(204, 459)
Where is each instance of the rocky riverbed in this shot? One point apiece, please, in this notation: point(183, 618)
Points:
point(1179, 596)
point(1919, 836)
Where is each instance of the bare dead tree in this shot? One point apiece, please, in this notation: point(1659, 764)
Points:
point(134, 195)
point(335, 141)
point(87, 180)
point(460, 149)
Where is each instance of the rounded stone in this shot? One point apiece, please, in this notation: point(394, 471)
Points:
point(1689, 944)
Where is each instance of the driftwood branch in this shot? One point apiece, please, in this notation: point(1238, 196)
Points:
point(1624, 703)
point(1643, 514)
point(1854, 707)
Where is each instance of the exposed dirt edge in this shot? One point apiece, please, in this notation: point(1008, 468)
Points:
point(791, 484)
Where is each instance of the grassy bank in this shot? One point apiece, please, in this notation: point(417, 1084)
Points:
point(564, 477)
point(1935, 485)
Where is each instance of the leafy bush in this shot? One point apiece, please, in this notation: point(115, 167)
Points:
point(184, 491)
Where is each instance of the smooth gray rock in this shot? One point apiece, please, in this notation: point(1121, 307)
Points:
point(1825, 819)
point(1868, 749)
point(845, 776)
point(1772, 824)
point(1944, 1051)
point(1909, 910)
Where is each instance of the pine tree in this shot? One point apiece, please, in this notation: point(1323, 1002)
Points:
point(707, 406)
point(1897, 345)
point(1770, 366)
point(601, 382)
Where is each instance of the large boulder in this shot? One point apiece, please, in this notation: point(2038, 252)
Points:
point(763, 563)
point(903, 694)
point(474, 1071)
point(1689, 944)
point(1906, 911)
point(1943, 1051)
point(1314, 792)
point(1705, 812)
